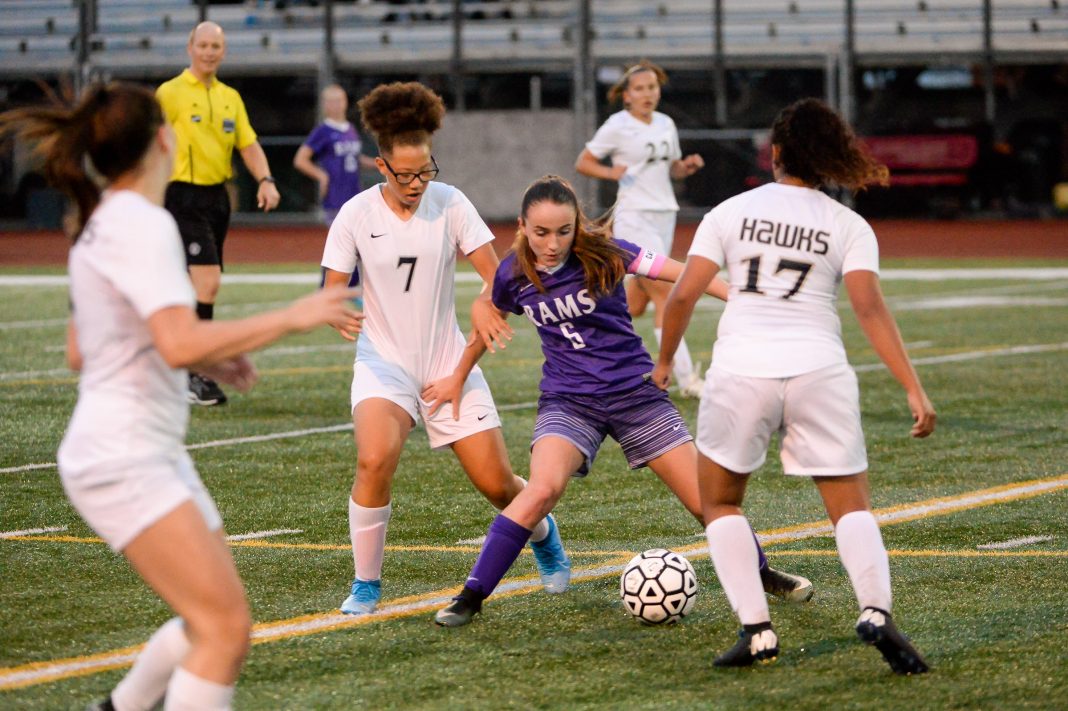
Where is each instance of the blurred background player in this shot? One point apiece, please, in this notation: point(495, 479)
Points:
point(132, 334)
point(643, 145)
point(403, 236)
point(332, 156)
point(566, 276)
point(779, 366)
point(210, 120)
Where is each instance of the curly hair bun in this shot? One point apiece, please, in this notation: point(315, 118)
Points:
point(401, 108)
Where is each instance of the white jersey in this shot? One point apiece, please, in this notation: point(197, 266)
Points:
point(408, 274)
point(785, 249)
point(127, 264)
point(648, 150)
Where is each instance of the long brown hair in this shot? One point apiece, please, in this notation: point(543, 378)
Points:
point(615, 92)
point(401, 113)
point(112, 125)
point(819, 147)
point(602, 261)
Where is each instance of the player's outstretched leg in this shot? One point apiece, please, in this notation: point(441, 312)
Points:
point(553, 564)
point(875, 627)
point(785, 586)
point(756, 643)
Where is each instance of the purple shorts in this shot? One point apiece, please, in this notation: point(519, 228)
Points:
point(644, 421)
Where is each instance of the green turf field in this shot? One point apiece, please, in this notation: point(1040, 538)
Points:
point(993, 622)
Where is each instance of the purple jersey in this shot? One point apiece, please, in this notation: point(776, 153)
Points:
point(338, 153)
point(589, 344)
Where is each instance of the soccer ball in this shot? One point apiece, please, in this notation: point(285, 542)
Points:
point(658, 587)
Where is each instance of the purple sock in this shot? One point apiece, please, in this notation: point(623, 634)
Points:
point(760, 551)
point(504, 542)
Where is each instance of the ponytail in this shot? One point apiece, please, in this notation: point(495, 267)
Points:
point(102, 137)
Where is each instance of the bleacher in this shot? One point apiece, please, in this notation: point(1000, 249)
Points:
point(149, 36)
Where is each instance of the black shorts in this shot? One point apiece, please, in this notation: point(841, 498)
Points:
point(203, 216)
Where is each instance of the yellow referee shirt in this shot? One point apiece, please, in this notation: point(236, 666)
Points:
point(209, 122)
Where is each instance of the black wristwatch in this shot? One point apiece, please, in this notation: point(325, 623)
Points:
point(267, 179)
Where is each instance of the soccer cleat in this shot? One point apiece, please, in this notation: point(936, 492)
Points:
point(786, 587)
point(756, 643)
point(690, 386)
point(104, 705)
point(461, 610)
point(364, 598)
point(876, 628)
point(553, 563)
point(205, 391)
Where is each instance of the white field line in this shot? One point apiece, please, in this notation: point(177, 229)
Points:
point(35, 374)
point(263, 534)
point(864, 368)
point(1014, 543)
point(40, 672)
point(312, 277)
point(472, 541)
point(39, 323)
point(32, 531)
point(972, 355)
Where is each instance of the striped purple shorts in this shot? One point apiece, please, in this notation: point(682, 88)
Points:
point(644, 421)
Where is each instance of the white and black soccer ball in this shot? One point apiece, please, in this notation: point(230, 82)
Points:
point(658, 587)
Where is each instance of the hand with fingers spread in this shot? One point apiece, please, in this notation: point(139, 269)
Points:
point(446, 390)
point(489, 326)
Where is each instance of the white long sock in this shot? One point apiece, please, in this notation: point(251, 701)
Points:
point(189, 692)
point(860, 546)
point(737, 563)
point(144, 685)
point(683, 365)
point(367, 531)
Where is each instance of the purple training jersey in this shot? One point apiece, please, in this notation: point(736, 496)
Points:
point(589, 344)
point(338, 153)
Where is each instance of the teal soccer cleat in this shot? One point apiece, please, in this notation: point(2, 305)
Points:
point(364, 598)
point(553, 563)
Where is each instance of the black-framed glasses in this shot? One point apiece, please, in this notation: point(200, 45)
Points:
point(425, 176)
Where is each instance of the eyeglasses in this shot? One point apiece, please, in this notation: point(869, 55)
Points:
point(425, 176)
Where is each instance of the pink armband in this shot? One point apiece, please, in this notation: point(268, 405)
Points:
point(647, 264)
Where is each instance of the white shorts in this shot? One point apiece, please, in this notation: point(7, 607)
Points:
point(373, 377)
point(119, 501)
point(817, 415)
point(651, 229)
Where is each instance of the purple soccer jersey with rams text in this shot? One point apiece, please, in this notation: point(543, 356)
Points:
point(589, 344)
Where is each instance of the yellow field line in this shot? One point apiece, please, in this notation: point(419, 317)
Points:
point(934, 554)
point(311, 546)
point(41, 672)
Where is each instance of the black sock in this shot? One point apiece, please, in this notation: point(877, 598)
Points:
point(758, 627)
point(205, 312)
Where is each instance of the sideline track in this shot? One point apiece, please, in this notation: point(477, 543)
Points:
point(56, 670)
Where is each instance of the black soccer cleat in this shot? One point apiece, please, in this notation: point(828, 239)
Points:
point(785, 586)
point(205, 391)
point(104, 705)
point(461, 610)
point(876, 628)
point(756, 643)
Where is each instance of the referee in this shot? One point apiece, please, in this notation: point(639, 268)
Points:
point(209, 119)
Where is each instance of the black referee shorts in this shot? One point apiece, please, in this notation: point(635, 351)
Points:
point(203, 216)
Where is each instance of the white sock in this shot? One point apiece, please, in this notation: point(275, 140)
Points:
point(188, 692)
point(683, 366)
point(737, 563)
point(540, 532)
point(367, 531)
point(860, 546)
point(143, 686)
